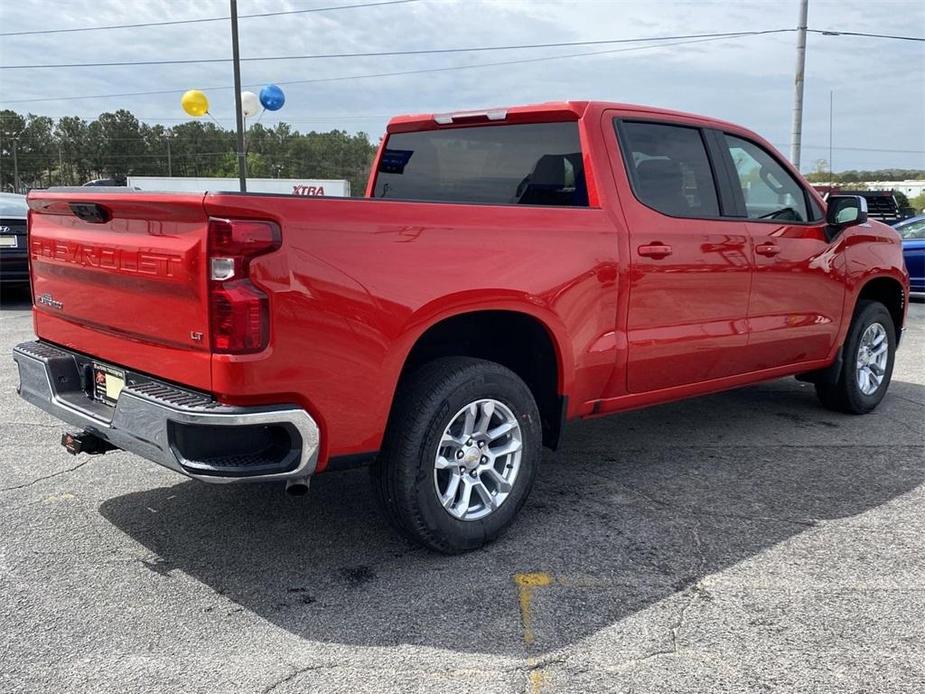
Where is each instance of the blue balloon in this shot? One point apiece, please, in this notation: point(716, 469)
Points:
point(272, 97)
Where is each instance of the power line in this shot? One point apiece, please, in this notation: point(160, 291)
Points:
point(186, 140)
point(379, 54)
point(865, 149)
point(826, 32)
point(420, 71)
point(203, 20)
point(323, 118)
point(175, 155)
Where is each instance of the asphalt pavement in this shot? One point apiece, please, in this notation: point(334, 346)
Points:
point(745, 542)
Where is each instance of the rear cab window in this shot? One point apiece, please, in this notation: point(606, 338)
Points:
point(519, 164)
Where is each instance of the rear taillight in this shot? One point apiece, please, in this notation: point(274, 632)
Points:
point(239, 312)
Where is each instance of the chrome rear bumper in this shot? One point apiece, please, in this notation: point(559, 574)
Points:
point(183, 430)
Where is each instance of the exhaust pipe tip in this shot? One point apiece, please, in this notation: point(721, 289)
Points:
point(297, 487)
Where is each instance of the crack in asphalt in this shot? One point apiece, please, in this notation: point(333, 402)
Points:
point(903, 397)
point(693, 593)
point(534, 663)
point(530, 666)
point(695, 512)
point(535, 672)
point(296, 671)
point(44, 477)
point(732, 446)
point(896, 420)
point(674, 630)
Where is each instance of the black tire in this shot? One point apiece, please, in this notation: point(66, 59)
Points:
point(844, 395)
point(403, 475)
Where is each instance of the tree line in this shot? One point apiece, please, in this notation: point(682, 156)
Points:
point(72, 151)
point(821, 174)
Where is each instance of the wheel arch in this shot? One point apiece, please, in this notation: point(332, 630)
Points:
point(888, 291)
point(525, 338)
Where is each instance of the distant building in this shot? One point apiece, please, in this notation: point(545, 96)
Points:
point(910, 189)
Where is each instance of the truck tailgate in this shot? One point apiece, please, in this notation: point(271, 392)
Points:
point(121, 276)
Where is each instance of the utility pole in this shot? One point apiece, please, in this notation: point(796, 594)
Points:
point(15, 167)
point(61, 166)
point(831, 112)
point(239, 115)
point(169, 160)
point(796, 133)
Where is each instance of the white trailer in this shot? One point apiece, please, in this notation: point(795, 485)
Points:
point(338, 188)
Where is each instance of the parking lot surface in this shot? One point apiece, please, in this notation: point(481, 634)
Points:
point(745, 542)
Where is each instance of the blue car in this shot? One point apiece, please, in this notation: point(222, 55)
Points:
point(913, 232)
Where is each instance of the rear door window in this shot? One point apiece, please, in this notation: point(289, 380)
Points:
point(524, 164)
point(770, 192)
point(669, 168)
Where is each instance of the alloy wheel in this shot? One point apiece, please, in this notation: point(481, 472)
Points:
point(872, 358)
point(478, 459)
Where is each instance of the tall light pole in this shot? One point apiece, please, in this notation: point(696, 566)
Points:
point(169, 157)
point(831, 121)
point(239, 115)
point(15, 166)
point(796, 133)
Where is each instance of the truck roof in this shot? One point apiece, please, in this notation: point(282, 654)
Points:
point(542, 112)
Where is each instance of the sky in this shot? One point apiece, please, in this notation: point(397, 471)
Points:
point(878, 85)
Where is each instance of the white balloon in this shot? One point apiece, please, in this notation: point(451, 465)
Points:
point(250, 104)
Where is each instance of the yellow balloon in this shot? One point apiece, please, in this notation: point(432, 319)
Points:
point(195, 103)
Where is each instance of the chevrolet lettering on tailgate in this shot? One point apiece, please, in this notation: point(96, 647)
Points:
point(108, 257)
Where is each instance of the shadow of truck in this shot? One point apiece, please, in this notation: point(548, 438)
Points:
point(631, 510)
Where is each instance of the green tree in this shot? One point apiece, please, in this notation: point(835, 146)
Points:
point(918, 202)
point(71, 134)
point(11, 127)
point(123, 143)
point(72, 150)
point(199, 148)
point(35, 151)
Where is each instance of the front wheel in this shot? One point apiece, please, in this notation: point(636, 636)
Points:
point(867, 366)
point(460, 455)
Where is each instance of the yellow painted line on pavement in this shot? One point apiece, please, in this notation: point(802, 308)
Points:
point(526, 584)
point(67, 496)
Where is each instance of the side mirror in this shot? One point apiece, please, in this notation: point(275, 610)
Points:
point(845, 211)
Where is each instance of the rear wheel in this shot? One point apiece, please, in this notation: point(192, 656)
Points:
point(460, 455)
point(867, 365)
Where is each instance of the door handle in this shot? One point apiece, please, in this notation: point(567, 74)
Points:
point(654, 250)
point(768, 250)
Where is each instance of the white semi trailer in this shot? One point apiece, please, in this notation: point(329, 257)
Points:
point(338, 188)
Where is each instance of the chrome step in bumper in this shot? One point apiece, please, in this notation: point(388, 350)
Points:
point(183, 430)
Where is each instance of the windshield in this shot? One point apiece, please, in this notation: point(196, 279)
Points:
point(13, 206)
point(526, 164)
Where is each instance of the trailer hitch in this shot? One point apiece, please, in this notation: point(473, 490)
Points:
point(85, 442)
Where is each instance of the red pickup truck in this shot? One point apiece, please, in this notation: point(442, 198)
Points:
point(507, 272)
